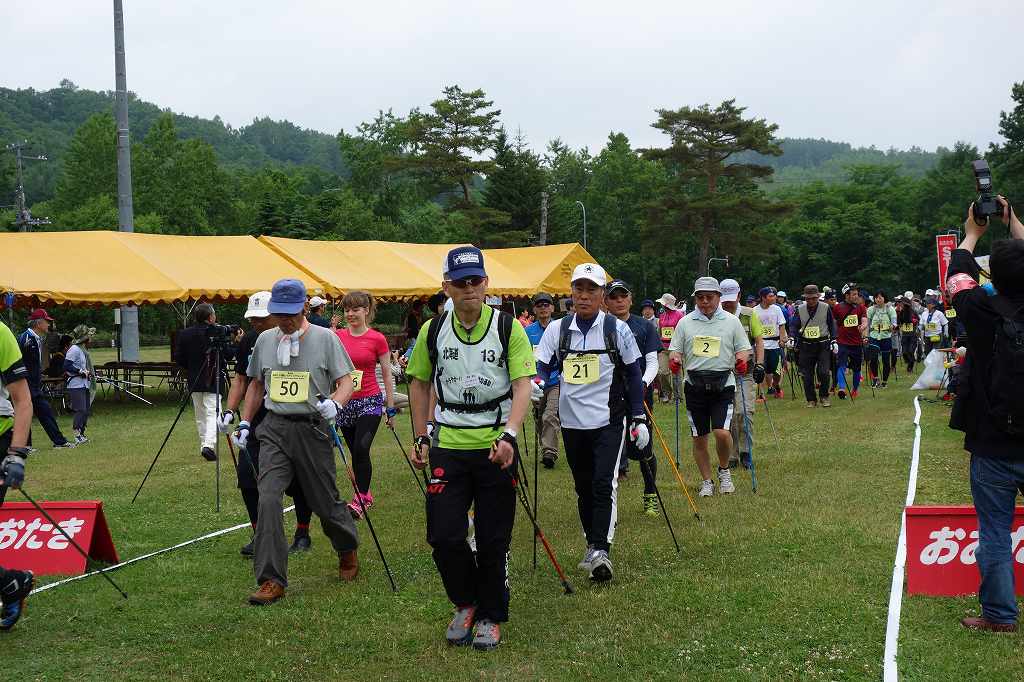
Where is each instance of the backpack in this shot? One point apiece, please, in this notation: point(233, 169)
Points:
point(1006, 380)
point(504, 334)
point(611, 346)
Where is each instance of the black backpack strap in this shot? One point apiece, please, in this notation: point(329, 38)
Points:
point(504, 334)
point(611, 342)
point(433, 330)
point(564, 335)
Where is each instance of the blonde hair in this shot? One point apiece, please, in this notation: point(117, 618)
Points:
point(360, 299)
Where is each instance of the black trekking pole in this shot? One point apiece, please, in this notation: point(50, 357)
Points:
point(362, 505)
point(771, 423)
point(646, 470)
point(401, 452)
point(67, 537)
point(525, 501)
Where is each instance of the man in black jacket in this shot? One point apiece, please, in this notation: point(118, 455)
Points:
point(191, 353)
point(31, 343)
point(992, 420)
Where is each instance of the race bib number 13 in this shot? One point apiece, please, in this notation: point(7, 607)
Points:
point(289, 387)
point(707, 346)
point(581, 369)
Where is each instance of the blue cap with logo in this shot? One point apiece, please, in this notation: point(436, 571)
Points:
point(463, 262)
point(288, 297)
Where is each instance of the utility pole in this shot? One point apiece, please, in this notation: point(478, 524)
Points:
point(543, 219)
point(125, 213)
point(580, 203)
point(23, 219)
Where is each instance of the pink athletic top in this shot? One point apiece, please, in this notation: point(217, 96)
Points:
point(364, 351)
point(667, 325)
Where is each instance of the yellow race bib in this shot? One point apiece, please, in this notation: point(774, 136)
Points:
point(950, 314)
point(581, 369)
point(850, 321)
point(907, 327)
point(934, 339)
point(666, 333)
point(289, 387)
point(707, 346)
point(812, 332)
point(932, 327)
point(357, 380)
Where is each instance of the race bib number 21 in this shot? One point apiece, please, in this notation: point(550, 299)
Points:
point(289, 387)
point(581, 369)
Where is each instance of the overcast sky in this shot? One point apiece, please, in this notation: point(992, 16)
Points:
point(887, 74)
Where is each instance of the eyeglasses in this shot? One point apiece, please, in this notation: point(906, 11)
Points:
point(466, 282)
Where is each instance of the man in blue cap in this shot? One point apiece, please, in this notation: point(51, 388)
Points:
point(478, 362)
point(292, 367)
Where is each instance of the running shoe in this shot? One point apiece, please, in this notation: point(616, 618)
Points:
point(268, 593)
point(65, 444)
point(811, 403)
point(460, 630)
point(651, 504)
point(734, 461)
point(14, 594)
point(771, 390)
point(600, 567)
point(778, 394)
point(486, 635)
point(854, 393)
point(842, 394)
point(746, 460)
point(301, 543)
point(825, 402)
point(208, 454)
point(707, 489)
point(725, 486)
point(588, 556)
point(247, 550)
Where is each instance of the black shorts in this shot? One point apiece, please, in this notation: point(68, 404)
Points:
point(772, 360)
point(707, 411)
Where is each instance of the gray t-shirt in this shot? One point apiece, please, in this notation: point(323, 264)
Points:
point(321, 361)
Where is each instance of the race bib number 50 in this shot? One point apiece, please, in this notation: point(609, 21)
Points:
point(707, 346)
point(581, 369)
point(289, 387)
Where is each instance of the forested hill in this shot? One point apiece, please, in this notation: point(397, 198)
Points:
point(806, 160)
point(48, 120)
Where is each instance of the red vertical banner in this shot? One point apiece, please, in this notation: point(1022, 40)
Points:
point(944, 245)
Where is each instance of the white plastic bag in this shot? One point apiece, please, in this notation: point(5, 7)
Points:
point(934, 375)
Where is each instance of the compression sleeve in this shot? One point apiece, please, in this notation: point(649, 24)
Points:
point(635, 388)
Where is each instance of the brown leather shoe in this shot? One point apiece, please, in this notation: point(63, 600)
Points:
point(268, 593)
point(348, 565)
point(981, 623)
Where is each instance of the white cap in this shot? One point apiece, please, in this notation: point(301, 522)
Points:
point(730, 290)
point(316, 302)
point(707, 284)
point(908, 295)
point(782, 294)
point(669, 301)
point(258, 305)
point(590, 271)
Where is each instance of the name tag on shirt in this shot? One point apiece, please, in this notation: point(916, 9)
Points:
point(581, 369)
point(707, 346)
point(812, 332)
point(289, 387)
point(357, 379)
point(850, 321)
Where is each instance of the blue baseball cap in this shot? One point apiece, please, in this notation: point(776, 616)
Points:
point(463, 262)
point(647, 303)
point(288, 297)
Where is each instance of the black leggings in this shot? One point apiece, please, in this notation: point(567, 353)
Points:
point(909, 345)
point(359, 438)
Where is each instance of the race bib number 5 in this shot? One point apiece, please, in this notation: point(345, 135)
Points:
point(581, 369)
point(289, 387)
point(357, 380)
point(707, 346)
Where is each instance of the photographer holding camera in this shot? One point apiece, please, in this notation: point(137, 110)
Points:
point(192, 353)
point(989, 407)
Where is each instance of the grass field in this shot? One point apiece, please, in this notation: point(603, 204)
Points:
point(791, 583)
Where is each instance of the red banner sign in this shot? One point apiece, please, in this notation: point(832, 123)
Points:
point(29, 542)
point(944, 245)
point(941, 546)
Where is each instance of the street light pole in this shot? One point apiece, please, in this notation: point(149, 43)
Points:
point(125, 211)
point(584, 223)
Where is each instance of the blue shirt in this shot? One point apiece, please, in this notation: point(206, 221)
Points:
point(535, 332)
point(646, 336)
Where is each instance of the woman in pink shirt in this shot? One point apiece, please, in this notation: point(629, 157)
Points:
point(360, 417)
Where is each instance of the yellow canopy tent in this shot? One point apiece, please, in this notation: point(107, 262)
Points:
point(393, 270)
point(112, 268)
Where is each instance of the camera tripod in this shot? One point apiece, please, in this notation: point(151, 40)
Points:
point(213, 357)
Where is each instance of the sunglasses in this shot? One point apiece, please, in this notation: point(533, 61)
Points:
point(474, 281)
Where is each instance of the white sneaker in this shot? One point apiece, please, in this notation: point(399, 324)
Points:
point(600, 567)
point(725, 485)
point(588, 556)
point(707, 489)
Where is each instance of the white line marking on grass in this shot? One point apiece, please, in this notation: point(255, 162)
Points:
point(223, 531)
point(892, 627)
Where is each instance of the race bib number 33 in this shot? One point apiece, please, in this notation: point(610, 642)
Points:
point(581, 369)
point(707, 346)
point(289, 387)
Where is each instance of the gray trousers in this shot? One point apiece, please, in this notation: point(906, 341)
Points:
point(739, 423)
point(302, 450)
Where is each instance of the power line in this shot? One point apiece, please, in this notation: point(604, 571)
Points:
point(23, 219)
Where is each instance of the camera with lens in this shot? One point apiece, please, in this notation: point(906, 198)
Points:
point(986, 205)
point(220, 335)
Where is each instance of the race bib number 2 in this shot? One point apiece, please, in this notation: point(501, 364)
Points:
point(707, 346)
point(581, 369)
point(289, 387)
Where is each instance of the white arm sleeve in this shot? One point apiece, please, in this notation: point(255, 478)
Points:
point(650, 368)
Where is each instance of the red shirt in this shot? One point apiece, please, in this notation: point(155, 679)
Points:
point(848, 319)
point(365, 351)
